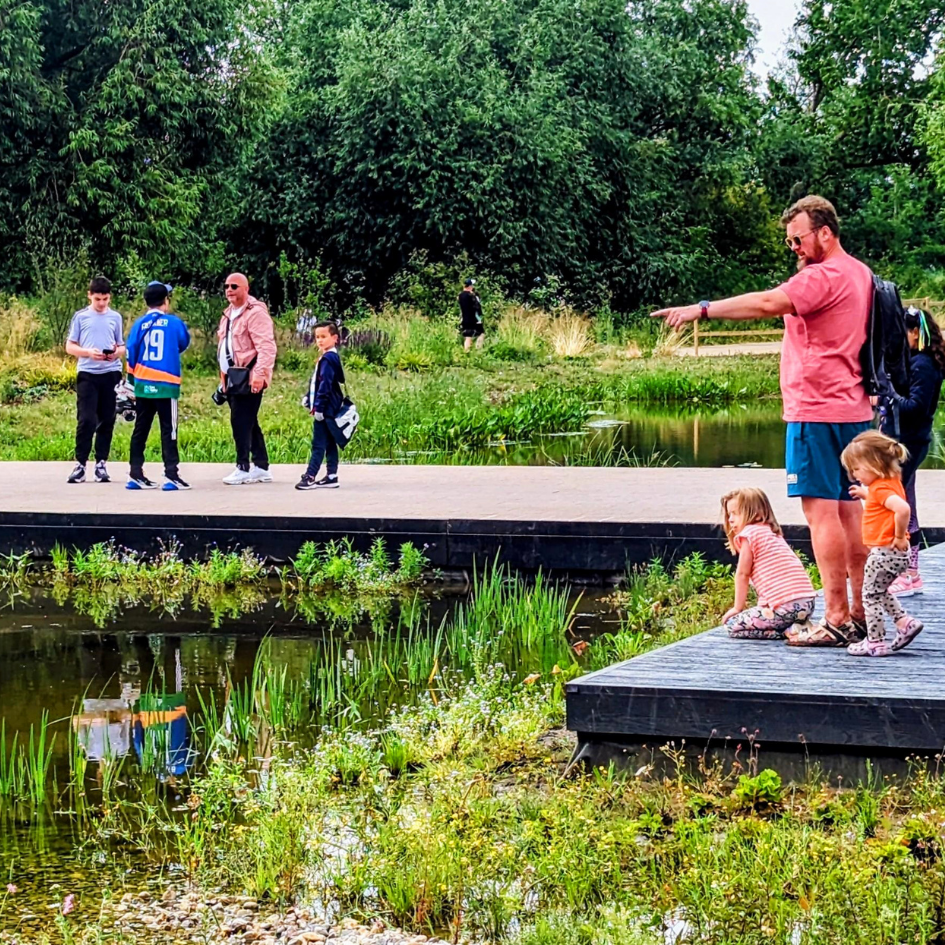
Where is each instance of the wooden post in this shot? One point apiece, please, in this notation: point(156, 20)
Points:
point(695, 337)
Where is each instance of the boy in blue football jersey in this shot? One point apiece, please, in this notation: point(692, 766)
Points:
point(154, 347)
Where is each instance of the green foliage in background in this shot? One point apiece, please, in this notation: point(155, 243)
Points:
point(347, 151)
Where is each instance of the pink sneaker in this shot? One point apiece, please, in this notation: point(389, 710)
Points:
point(907, 629)
point(902, 586)
point(917, 584)
point(869, 648)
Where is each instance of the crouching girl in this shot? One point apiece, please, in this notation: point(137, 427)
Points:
point(767, 563)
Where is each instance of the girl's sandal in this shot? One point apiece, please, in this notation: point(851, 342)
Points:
point(818, 634)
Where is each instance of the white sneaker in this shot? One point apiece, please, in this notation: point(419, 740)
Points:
point(238, 477)
point(259, 475)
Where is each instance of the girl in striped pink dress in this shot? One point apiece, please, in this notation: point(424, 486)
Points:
point(767, 563)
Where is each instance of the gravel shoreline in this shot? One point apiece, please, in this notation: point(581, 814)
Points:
point(188, 918)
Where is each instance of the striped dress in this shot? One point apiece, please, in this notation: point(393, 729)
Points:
point(777, 574)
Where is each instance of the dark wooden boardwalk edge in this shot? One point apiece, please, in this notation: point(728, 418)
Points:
point(454, 544)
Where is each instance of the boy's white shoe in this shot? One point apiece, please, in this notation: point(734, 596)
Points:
point(259, 475)
point(238, 477)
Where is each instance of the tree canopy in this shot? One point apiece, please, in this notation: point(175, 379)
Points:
point(627, 148)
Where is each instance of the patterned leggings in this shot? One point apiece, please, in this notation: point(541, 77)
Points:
point(766, 623)
point(883, 566)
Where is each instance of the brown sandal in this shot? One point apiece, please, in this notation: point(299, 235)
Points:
point(819, 634)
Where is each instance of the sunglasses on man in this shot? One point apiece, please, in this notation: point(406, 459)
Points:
point(794, 242)
point(230, 285)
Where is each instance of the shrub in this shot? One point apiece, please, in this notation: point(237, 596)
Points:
point(201, 311)
point(291, 358)
point(522, 328)
point(31, 377)
point(19, 326)
point(63, 290)
point(504, 351)
point(372, 344)
point(569, 334)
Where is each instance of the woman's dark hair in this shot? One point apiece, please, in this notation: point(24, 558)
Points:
point(930, 335)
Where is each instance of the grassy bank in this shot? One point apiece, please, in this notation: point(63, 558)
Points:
point(436, 797)
point(444, 414)
point(331, 582)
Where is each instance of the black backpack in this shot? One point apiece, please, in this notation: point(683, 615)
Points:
point(885, 355)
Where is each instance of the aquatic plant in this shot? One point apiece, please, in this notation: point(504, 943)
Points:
point(658, 606)
point(336, 564)
point(12, 773)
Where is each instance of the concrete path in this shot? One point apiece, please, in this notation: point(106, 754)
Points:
point(485, 493)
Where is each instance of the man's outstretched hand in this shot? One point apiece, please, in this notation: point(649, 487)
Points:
point(676, 317)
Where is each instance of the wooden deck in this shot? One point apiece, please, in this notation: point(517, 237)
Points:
point(712, 690)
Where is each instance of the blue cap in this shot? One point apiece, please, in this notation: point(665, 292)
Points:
point(169, 288)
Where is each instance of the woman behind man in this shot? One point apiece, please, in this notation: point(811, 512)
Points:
point(916, 413)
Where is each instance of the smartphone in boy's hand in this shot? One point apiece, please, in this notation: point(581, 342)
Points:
point(108, 352)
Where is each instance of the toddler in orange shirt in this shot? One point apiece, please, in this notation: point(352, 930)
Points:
point(874, 462)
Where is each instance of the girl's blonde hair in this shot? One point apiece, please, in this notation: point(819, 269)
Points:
point(879, 452)
point(754, 506)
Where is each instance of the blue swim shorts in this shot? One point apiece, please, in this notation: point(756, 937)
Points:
point(812, 458)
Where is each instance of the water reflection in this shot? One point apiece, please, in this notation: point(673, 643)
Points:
point(154, 723)
point(738, 435)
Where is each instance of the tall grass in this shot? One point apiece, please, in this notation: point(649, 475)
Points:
point(19, 327)
point(569, 333)
point(522, 328)
point(25, 765)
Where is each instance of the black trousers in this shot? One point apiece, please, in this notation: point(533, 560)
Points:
point(146, 408)
point(248, 437)
point(95, 414)
point(324, 448)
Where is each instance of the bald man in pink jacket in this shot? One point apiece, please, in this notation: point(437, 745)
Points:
point(247, 356)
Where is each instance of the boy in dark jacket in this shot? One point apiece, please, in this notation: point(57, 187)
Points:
point(324, 400)
point(155, 343)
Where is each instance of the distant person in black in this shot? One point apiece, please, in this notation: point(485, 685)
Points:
point(470, 309)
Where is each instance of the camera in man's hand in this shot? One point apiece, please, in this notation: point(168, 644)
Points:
point(125, 401)
point(219, 396)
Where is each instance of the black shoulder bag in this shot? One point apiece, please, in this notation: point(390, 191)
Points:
point(237, 378)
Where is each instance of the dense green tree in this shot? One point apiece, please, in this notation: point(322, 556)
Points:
point(622, 146)
point(25, 103)
point(129, 114)
point(538, 136)
point(848, 123)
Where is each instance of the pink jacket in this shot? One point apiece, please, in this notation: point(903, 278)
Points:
point(253, 337)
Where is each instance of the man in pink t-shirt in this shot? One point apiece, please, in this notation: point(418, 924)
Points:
point(826, 307)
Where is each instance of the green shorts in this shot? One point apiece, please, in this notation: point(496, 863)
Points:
point(812, 459)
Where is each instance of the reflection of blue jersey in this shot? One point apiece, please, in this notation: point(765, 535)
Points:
point(162, 734)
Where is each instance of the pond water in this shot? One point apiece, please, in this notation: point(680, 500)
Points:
point(680, 436)
point(133, 689)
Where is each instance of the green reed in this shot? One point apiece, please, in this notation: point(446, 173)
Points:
point(12, 772)
point(78, 756)
point(212, 725)
point(36, 759)
point(511, 622)
point(240, 712)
